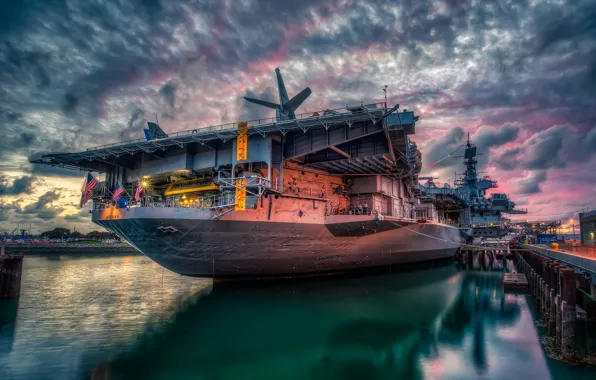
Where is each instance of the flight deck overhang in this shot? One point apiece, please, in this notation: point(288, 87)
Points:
point(372, 116)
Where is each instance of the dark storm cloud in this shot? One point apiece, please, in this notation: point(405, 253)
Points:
point(16, 186)
point(29, 64)
point(42, 202)
point(168, 93)
point(98, 48)
point(508, 159)
point(591, 140)
point(123, 51)
point(135, 124)
point(484, 138)
point(251, 111)
point(5, 212)
point(51, 171)
point(79, 217)
point(540, 69)
point(554, 147)
point(43, 208)
point(530, 184)
point(23, 139)
point(19, 136)
point(557, 24)
point(440, 148)
point(487, 137)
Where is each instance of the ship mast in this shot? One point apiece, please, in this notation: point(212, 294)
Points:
point(471, 173)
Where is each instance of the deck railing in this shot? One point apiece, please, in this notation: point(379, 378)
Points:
point(215, 201)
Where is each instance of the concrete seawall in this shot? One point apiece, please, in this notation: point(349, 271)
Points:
point(579, 261)
point(67, 248)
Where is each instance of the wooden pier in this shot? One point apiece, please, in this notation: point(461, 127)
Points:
point(489, 257)
point(515, 281)
point(561, 293)
point(563, 286)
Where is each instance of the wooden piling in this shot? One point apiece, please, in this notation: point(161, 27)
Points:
point(552, 320)
point(591, 306)
point(491, 259)
point(545, 293)
point(541, 297)
point(559, 319)
point(568, 311)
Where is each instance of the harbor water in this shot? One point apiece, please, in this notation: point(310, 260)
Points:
point(124, 317)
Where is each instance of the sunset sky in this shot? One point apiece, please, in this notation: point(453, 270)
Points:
point(518, 76)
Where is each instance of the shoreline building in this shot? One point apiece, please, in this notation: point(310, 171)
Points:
point(587, 227)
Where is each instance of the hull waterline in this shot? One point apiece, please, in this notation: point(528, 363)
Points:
point(251, 249)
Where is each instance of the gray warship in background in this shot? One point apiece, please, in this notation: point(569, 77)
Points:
point(479, 215)
point(295, 195)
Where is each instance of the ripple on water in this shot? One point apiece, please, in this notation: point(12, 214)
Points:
point(77, 310)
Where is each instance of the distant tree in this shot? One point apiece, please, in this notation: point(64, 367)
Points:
point(101, 235)
point(76, 235)
point(57, 233)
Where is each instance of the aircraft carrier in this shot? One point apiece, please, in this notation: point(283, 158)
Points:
point(297, 194)
point(481, 214)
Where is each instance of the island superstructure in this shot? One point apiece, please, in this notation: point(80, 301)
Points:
point(298, 194)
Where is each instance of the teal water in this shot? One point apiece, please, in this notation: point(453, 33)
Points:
point(124, 317)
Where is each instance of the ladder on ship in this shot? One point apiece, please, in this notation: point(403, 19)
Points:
point(221, 211)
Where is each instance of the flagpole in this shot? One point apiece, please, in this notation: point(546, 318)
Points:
point(86, 193)
point(139, 184)
point(98, 182)
point(124, 188)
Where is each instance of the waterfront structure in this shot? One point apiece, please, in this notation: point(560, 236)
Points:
point(587, 227)
point(294, 195)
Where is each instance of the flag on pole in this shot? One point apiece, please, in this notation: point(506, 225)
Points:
point(138, 192)
point(87, 190)
point(91, 182)
point(118, 190)
point(85, 197)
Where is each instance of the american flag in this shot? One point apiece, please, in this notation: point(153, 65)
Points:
point(138, 192)
point(117, 192)
point(87, 190)
point(85, 197)
point(90, 183)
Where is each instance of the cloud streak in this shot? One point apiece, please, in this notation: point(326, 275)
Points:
point(16, 186)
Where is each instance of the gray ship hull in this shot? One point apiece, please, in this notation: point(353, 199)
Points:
point(189, 243)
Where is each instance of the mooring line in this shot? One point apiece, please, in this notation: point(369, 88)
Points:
point(447, 241)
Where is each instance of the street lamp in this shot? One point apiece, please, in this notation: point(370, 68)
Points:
point(572, 221)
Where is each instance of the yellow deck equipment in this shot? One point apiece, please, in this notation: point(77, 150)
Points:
point(191, 186)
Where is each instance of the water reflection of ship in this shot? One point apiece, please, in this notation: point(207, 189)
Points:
point(482, 303)
point(367, 327)
point(8, 315)
point(371, 327)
